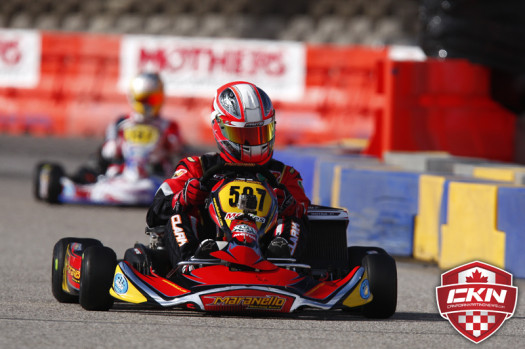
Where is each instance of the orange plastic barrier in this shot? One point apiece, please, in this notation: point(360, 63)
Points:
point(74, 68)
point(344, 85)
point(443, 105)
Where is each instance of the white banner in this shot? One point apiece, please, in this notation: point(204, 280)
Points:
point(198, 66)
point(19, 58)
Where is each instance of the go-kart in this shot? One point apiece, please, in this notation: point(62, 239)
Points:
point(133, 184)
point(237, 277)
point(131, 187)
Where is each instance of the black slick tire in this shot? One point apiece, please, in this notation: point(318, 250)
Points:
point(36, 181)
point(357, 253)
point(58, 273)
point(52, 187)
point(96, 277)
point(382, 276)
point(57, 267)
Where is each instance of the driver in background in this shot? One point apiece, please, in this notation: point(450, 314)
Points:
point(243, 123)
point(143, 124)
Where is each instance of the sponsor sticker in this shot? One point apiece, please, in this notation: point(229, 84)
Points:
point(179, 173)
point(19, 58)
point(364, 291)
point(269, 302)
point(476, 298)
point(230, 216)
point(120, 284)
point(244, 232)
point(197, 66)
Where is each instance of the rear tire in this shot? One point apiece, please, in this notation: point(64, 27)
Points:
point(46, 182)
point(57, 267)
point(382, 277)
point(96, 277)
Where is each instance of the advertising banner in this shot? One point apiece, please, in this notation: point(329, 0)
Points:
point(196, 67)
point(19, 58)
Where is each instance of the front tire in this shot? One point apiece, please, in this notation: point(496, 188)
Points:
point(382, 277)
point(46, 182)
point(57, 267)
point(357, 253)
point(96, 277)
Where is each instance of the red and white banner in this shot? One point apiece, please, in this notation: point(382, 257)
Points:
point(197, 67)
point(20, 54)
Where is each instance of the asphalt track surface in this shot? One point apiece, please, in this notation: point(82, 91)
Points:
point(31, 317)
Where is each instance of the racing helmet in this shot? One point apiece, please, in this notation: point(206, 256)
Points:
point(243, 123)
point(146, 95)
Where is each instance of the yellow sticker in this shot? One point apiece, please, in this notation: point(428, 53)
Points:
point(141, 134)
point(229, 198)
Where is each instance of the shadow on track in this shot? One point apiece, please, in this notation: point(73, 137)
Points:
point(306, 314)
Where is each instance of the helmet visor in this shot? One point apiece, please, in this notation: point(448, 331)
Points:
point(153, 99)
point(249, 135)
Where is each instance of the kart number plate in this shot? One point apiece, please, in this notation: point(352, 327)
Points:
point(141, 134)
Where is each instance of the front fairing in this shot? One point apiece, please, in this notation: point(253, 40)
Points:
point(219, 288)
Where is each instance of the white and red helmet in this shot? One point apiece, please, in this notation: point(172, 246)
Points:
point(243, 122)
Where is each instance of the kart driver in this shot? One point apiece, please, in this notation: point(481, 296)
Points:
point(143, 125)
point(243, 123)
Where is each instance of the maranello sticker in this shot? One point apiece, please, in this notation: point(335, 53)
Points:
point(476, 298)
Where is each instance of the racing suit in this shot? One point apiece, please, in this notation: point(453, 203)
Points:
point(185, 227)
point(126, 133)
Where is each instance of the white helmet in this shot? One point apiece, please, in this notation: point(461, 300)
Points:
point(243, 122)
point(146, 95)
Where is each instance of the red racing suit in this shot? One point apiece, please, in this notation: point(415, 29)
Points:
point(159, 138)
point(197, 226)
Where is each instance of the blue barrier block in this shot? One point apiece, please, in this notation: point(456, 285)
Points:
point(325, 170)
point(316, 166)
point(511, 220)
point(303, 161)
point(382, 206)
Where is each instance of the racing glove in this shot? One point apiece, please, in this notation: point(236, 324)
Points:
point(288, 206)
point(192, 194)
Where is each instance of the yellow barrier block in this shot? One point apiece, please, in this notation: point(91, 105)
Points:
point(336, 187)
point(504, 174)
point(470, 233)
point(426, 231)
point(316, 189)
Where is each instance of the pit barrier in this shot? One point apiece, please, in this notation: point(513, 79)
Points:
point(433, 216)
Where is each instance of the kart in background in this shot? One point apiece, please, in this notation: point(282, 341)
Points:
point(132, 187)
point(237, 277)
point(133, 182)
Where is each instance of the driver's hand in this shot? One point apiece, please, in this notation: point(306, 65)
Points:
point(193, 193)
point(287, 204)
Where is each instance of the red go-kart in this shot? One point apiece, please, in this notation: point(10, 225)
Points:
point(237, 277)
